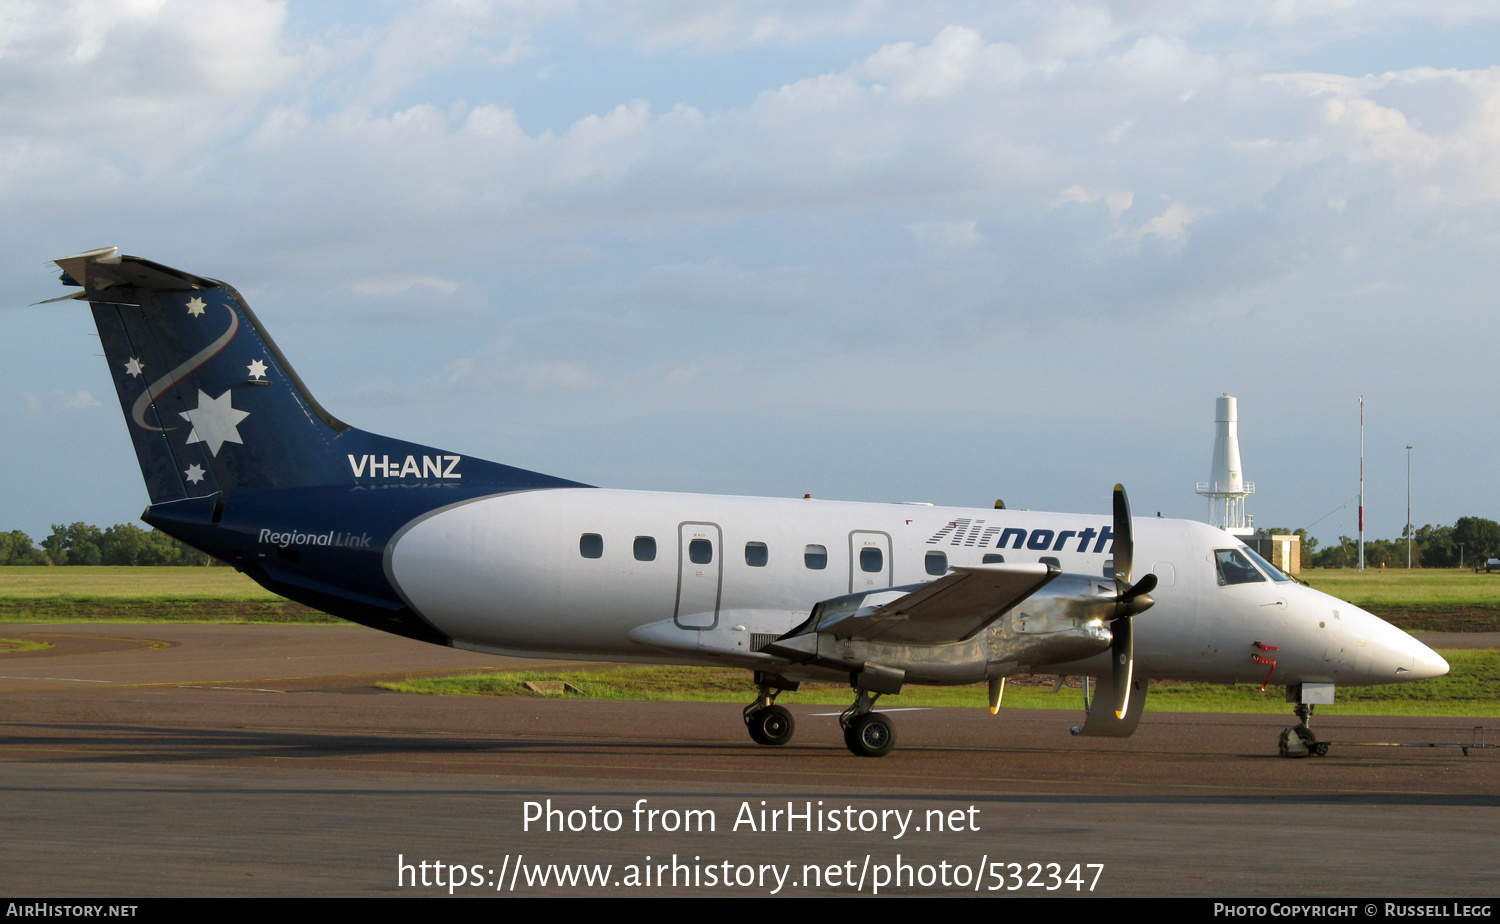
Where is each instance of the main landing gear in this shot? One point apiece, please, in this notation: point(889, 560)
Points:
point(1299, 740)
point(867, 733)
point(769, 723)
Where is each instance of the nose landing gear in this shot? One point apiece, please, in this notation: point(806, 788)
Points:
point(1299, 740)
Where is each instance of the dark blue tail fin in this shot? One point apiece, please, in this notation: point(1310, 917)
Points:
point(215, 409)
point(212, 405)
point(241, 462)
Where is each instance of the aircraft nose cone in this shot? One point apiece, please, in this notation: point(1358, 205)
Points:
point(1426, 663)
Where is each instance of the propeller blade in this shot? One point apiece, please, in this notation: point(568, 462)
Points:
point(1144, 586)
point(1122, 657)
point(997, 690)
point(1137, 599)
point(1124, 542)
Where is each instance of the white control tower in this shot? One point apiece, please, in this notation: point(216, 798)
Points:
point(1227, 488)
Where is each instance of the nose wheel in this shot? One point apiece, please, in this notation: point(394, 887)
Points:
point(1299, 740)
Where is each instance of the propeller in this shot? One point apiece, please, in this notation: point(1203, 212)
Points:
point(1130, 601)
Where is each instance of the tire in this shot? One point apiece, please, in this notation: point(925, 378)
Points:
point(1293, 744)
point(870, 735)
point(754, 728)
point(772, 726)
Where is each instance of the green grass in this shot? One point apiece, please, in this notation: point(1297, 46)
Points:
point(1398, 586)
point(17, 581)
point(1472, 688)
point(14, 645)
point(273, 610)
point(144, 595)
point(1421, 600)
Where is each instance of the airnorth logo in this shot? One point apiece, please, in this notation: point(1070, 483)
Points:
point(974, 533)
point(413, 466)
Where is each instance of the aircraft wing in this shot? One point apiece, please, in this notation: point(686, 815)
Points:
point(953, 608)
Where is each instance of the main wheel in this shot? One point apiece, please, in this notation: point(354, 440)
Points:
point(870, 735)
point(772, 725)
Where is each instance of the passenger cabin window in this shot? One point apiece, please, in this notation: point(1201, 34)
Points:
point(993, 559)
point(871, 561)
point(1235, 568)
point(645, 548)
point(700, 551)
point(1267, 567)
point(1049, 560)
point(756, 554)
point(816, 557)
point(937, 563)
point(591, 545)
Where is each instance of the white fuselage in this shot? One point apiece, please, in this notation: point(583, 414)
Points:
point(571, 572)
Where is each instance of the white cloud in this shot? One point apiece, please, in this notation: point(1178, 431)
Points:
point(59, 401)
point(399, 285)
point(956, 57)
point(947, 233)
point(1170, 225)
point(178, 70)
point(1118, 201)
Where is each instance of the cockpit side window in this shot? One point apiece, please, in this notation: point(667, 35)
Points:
point(1234, 568)
point(1270, 569)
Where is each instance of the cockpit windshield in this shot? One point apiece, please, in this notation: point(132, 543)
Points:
point(1234, 568)
point(1267, 567)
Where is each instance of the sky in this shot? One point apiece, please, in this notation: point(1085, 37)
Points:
point(945, 252)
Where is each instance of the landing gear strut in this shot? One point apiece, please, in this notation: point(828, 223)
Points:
point(1299, 740)
point(769, 723)
point(867, 733)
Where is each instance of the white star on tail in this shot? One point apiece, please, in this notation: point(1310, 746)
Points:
point(134, 367)
point(257, 369)
point(195, 306)
point(194, 474)
point(215, 421)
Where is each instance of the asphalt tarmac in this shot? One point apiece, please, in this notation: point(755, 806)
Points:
point(150, 760)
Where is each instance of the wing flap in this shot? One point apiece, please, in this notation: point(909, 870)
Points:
point(953, 608)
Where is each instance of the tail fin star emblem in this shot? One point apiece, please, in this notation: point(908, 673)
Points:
point(215, 421)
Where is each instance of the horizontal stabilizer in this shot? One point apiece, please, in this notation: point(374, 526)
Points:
point(103, 269)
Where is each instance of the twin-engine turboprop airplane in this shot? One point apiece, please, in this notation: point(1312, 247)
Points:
point(242, 462)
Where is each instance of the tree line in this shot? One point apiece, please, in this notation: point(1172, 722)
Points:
point(1467, 543)
point(85, 544)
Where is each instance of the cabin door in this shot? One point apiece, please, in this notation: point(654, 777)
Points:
point(870, 565)
point(700, 575)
